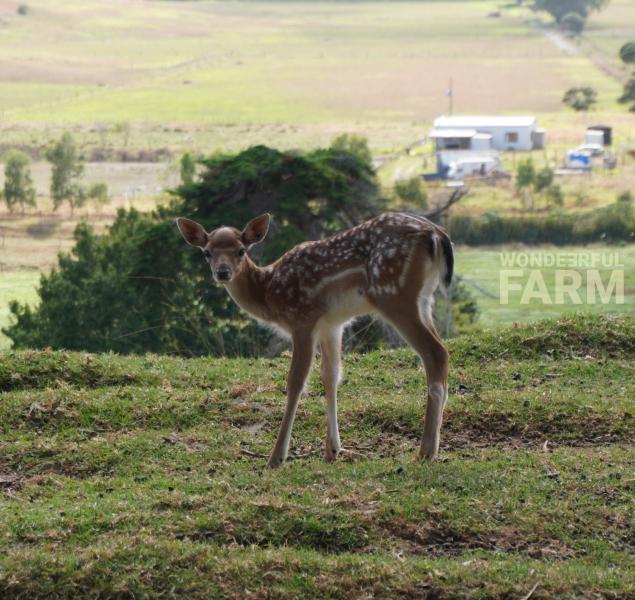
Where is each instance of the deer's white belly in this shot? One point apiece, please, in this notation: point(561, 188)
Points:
point(344, 306)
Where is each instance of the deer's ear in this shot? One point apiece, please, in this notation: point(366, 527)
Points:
point(193, 233)
point(256, 230)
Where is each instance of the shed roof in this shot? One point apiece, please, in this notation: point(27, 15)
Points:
point(474, 122)
point(452, 133)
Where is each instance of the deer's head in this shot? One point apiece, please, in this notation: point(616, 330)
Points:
point(225, 248)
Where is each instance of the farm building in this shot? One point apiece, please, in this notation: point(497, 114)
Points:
point(487, 133)
point(474, 165)
point(465, 153)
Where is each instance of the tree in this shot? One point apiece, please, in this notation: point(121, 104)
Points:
point(529, 181)
point(573, 22)
point(138, 288)
point(627, 52)
point(123, 128)
point(67, 168)
point(188, 168)
point(98, 195)
point(525, 178)
point(580, 98)
point(412, 191)
point(555, 196)
point(559, 8)
point(525, 174)
point(356, 145)
point(628, 95)
point(543, 179)
point(18, 183)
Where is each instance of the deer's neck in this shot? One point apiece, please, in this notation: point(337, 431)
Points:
point(248, 289)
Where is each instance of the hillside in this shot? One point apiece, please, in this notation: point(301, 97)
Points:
point(138, 477)
point(131, 75)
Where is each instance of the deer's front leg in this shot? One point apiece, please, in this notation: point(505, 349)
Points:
point(330, 346)
point(303, 351)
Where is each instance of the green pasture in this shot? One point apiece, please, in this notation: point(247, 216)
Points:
point(483, 270)
point(319, 67)
point(21, 286)
point(144, 477)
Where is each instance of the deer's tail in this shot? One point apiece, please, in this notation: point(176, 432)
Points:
point(447, 256)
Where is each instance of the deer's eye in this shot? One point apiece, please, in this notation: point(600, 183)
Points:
point(206, 253)
point(241, 252)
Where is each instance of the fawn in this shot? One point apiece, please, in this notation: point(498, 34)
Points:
point(390, 265)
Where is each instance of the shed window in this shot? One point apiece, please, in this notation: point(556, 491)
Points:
point(511, 137)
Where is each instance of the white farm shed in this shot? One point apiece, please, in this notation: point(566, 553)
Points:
point(507, 133)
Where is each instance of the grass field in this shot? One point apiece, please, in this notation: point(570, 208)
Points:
point(481, 270)
point(143, 477)
point(133, 76)
point(195, 63)
point(16, 285)
point(229, 74)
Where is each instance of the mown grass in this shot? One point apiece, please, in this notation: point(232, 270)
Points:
point(482, 270)
point(21, 286)
point(144, 476)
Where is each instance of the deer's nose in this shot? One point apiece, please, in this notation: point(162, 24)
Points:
point(223, 273)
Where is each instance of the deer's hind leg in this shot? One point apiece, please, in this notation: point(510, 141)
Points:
point(330, 365)
point(418, 330)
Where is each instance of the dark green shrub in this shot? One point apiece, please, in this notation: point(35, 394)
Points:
point(573, 22)
point(617, 221)
point(580, 98)
point(627, 52)
point(543, 179)
point(558, 9)
point(628, 94)
point(614, 223)
point(412, 192)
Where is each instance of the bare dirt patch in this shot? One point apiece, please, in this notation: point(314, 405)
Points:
point(22, 70)
point(386, 89)
point(9, 481)
point(503, 430)
point(434, 539)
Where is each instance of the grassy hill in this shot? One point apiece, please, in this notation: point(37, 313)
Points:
point(144, 476)
point(230, 74)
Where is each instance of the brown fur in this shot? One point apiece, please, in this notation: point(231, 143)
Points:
point(386, 265)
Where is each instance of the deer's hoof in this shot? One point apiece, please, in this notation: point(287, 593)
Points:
point(331, 451)
point(428, 456)
point(274, 462)
point(330, 454)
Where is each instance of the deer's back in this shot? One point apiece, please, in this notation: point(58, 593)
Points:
point(371, 258)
